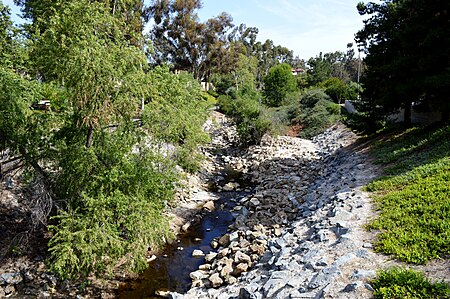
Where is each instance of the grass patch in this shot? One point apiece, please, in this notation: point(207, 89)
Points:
point(398, 283)
point(414, 199)
point(404, 150)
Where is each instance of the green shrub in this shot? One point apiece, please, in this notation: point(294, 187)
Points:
point(398, 283)
point(190, 160)
point(336, 89)
point(318, 118)
point(246, 111)
point(279, 118)
point(209, 99)
point(176, 112)
point(225, 103)
point(310, 98)
point(369, 117)
point(252, 130)
point(115, 195)
point(278, 83)
point(250, 125)
point(315, 113)
point(213, 93)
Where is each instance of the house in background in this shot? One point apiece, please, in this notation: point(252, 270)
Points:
point(43, 104)
point(207, 86)
point(297, 71)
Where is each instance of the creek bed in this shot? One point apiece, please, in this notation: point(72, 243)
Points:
point(170, 271)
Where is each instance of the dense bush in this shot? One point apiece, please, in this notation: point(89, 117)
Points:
point(278, 83)
point(368, 118)
point(175, 113)
point(336, 89)
point(115, 192)
point(279, 119)
point(314, 112)
point(250, 125)
point(209, 98)
point(116, 195)
point(310, 98)
point(107, 175)
point(225, 103)
point(246, 112)
point(319, 118)
point(23, 130)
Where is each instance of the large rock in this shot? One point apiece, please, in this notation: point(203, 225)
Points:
point(223, 252)
point(259, 249)
point(230, 186)
point(215, 280)
point(240, 268)
point(210, 256)
point(324, 277)
point(241, 257)
point(10, 278)
point(209, 205)
point(198, 275)
point(226, 271)
point(162, 293)
point(186, 226)
point(198, 253)
point(273, 285)
point(224, 241)
point(205, 267)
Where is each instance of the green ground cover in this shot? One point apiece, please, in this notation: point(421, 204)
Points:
point(398, 283)
point(413, 198)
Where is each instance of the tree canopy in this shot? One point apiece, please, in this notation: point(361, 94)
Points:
point(278, 83)
point(96, 150)
point(333, 65)
point(129, 12)
point(408, 50)
point(5, 29)
point(181, 39)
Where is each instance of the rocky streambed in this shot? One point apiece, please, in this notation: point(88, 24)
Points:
point(300, 233)
point(282, 219)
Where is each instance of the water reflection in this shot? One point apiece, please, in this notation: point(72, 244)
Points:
point(171, 270)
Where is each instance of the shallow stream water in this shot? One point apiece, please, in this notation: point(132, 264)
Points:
point(171, 269)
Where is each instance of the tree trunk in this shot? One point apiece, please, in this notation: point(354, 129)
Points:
point(89, 137)
point(407, 116)
point(31, 161)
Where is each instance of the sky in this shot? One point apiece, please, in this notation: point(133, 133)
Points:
point(307, 27)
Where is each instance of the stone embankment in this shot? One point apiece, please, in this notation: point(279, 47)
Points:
point(301, 233)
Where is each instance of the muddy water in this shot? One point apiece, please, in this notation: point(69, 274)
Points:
point(170, 271)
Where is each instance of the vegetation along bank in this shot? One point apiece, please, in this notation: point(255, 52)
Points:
point(101, 126)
